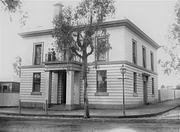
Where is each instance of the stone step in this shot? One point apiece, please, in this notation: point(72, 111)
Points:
point(57, 107)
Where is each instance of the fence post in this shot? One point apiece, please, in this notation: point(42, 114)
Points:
point(159, 95)
point(46, 107)
point(19, 106)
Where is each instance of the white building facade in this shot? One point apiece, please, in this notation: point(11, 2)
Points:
point(59, 82)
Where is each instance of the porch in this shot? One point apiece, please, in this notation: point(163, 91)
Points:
point(63, 84)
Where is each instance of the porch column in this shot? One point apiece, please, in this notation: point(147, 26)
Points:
point(48, 76)
point(76, 88)
point(54, 87)
point(46, 85)
point(69, 87)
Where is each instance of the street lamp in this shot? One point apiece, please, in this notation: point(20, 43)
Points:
point(123, 71)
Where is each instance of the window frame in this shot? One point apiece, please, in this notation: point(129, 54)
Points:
point(34, 52)
point(144, 61)
point(99, 90)
point(6, 88)
point(153, 90)
point(134, 51)
point(15, 88)
point(106, 37)
point(135, 82)
point(152, 60)
point(33, 83)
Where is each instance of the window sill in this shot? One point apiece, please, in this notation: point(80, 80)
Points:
point(36, 93)
point(135, 95)
point(101, 60)
point(101, 94)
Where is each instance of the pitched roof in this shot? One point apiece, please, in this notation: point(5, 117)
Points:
point(125, 22)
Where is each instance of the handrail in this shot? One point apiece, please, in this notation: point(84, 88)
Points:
point(59, 57)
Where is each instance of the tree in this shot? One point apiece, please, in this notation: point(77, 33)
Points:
point(75, 29)
point(17, 65)
point(171, 63)
point(11, 5)
point(14, 6)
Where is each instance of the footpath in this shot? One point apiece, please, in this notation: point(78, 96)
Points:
point(140, 112)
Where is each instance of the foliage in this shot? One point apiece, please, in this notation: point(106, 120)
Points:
point(14, 6)
point(75, 30)
point(103, 47)
point(103, 44)
point(11, 5)
point(171, 63)
point(17, 65)
point(63, 31)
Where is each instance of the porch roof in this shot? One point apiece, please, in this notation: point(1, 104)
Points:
point(63, 65)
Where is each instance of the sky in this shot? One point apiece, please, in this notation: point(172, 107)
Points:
point(152, 16)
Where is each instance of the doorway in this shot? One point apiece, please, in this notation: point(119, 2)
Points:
point(58, 87)
point(63, 87)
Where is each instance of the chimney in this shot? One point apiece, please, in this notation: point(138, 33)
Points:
point(57, 9)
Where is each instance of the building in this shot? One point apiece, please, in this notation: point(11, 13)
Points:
point(48, 76)
point(9, 93)
point(9, 87)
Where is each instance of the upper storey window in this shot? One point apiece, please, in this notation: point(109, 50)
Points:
point(152, 61)
point(38, 53)
point(102, 54)
point(144, 56)
point(134, 52)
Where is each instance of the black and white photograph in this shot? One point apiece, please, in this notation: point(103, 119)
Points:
point(89, 65)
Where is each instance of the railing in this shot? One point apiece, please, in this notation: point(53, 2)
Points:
point(60, 57)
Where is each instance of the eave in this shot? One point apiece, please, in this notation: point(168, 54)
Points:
point(125, 22)
point(36, 33)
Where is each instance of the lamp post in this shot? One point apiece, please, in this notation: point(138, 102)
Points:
point(123, 71)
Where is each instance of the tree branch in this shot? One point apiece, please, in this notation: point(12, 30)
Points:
point(4, 3)
point(78, 40)
point(75, 51)
point(92, 49)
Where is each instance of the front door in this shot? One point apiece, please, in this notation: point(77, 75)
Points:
point(145, 95)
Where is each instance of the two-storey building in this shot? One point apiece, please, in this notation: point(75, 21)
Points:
point(47, 75)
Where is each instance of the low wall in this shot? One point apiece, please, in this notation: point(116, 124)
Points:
point(9, 99)
point(168, 94)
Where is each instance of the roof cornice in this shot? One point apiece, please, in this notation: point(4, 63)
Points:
point(36, 33)
point(117, 23)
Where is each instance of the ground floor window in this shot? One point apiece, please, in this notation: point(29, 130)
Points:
point(134, 82)
point(153, 86)
point(36, 82)
point(101, 81)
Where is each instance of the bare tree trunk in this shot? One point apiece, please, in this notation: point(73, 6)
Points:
point(86, 105)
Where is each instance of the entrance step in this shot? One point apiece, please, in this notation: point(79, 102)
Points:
point(57, 107)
